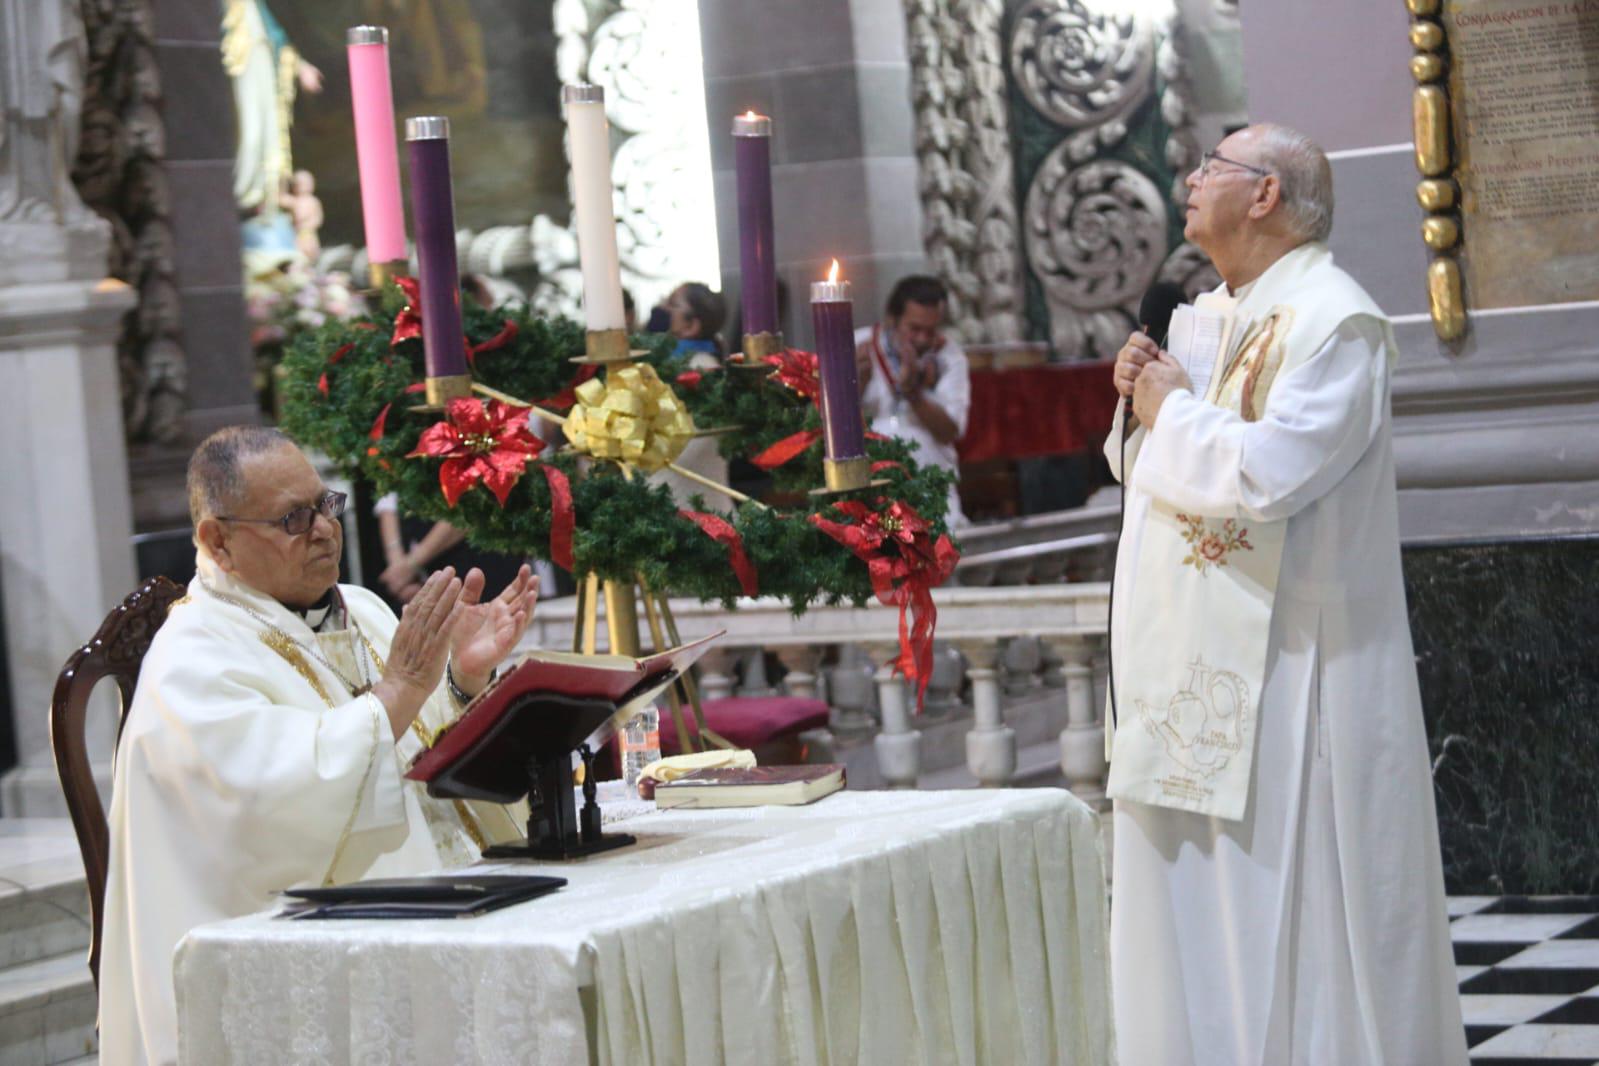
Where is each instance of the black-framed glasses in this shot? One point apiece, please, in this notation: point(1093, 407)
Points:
point(1209, 158)
point(298, 521)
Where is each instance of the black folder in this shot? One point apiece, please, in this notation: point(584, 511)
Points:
point(444, 896)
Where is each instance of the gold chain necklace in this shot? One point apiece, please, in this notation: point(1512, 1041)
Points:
point(278, 631)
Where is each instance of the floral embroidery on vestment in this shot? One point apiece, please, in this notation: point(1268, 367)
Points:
point(1209, 546)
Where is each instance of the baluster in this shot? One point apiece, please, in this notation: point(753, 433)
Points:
point(1021, 659)
point(802, 662)
point(898, 745)
point(850, 694)
point(991, 744)
point(1082, 742)
point(755, 682)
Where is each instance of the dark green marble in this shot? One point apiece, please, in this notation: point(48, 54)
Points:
point(1507, 648)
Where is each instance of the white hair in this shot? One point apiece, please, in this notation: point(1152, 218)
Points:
point(1304, 177)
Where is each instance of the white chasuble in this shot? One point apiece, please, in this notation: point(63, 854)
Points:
point(254, 760)
point(1293, 915)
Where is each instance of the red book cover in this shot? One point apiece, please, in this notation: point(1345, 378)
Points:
point(618, 683)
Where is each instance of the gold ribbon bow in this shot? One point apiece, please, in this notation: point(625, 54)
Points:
point(631, 416)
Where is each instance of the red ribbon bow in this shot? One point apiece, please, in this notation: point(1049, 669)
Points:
point(489, 442)
point(562, 521)
point(721, 530)
point(905, 564)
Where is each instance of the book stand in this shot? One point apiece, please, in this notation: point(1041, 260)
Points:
point(528, 752)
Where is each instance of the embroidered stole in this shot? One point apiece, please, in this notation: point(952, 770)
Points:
point(1195, 649)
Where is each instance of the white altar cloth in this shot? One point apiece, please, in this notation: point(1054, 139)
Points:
point(871, 927)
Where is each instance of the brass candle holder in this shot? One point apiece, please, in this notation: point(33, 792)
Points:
point(756, 347)
point(381, 275)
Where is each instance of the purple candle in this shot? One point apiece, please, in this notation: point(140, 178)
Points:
point(752, 159)
point(433, 211)
point(833, 314)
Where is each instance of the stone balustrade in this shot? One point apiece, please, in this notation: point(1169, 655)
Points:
point(1030, 664)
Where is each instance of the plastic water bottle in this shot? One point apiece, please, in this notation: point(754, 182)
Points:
point(641, 745)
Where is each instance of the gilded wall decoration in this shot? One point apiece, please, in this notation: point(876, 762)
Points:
point(963, 150)
point(119, 175)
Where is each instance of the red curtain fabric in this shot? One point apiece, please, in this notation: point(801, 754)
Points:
point(1041, 410)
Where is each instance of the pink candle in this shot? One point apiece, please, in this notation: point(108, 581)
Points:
point(376, 153)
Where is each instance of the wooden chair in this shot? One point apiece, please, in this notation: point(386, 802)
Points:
point(117, 651)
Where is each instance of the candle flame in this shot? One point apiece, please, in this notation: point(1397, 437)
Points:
point(832, 272)
point(751, 114)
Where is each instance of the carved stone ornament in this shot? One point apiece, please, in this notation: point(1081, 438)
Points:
point(118, 171)
point(1081, 64)
point(1096, 237)
point(963, 149)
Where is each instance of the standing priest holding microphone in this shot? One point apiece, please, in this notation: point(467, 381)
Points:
point(1279, 893)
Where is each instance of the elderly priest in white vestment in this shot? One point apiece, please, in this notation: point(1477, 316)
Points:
point(274, 714)
point(1278, 887)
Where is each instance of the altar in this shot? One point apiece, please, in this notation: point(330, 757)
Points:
point(870, 927)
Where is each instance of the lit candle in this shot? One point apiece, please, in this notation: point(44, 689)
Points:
point(590, 142)
point(752, 159)
point(377, 156)
point(433, 209)
point(832, 313)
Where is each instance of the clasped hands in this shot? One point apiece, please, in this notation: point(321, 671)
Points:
point(447, 624)
point(1148, 375)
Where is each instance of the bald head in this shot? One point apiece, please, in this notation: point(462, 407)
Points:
point(1304, 175)
point(216, 480)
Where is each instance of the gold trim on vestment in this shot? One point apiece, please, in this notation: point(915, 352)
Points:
point(284, 645)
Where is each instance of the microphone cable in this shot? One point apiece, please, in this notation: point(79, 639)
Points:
point(1121, 525)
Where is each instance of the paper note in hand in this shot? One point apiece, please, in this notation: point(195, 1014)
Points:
point(1195, 341)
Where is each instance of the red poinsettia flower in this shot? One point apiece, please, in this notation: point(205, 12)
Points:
point(799, 370)
point(489, 442)
point(408, 323)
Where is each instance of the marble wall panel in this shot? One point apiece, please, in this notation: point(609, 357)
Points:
point(1508, 658)
point(1377, 228)
point(1337, 72)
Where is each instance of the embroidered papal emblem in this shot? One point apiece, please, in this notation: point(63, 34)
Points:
point(1203, 725)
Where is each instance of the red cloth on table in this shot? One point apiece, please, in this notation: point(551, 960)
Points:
point(747, 721)
point(1038, 410)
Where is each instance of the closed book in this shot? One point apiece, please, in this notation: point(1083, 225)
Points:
point(755, 786)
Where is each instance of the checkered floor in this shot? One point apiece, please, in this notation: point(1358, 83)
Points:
point(1529, 978)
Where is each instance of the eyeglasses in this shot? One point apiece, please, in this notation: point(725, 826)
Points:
point(1210, 158)
point(298, 521)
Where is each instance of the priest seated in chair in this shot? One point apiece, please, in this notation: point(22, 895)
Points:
point(274, 716)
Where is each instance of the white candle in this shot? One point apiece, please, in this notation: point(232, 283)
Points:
point(595, 219)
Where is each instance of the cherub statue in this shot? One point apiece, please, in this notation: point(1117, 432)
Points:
point(305, 211)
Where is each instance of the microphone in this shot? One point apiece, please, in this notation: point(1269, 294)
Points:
point(1155, 309)
point(1154, 316)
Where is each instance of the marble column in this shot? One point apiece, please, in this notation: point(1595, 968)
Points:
point(65, 530)
point(898, 744)
point(1082, 742)
point(991, 744)
point(835, 77)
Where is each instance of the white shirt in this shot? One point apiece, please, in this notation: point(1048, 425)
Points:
point(893, 416)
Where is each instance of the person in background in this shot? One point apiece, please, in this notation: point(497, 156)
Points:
point(915, 381)
point(697, 314)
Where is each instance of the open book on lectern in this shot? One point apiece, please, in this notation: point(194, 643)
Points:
point(544, 708)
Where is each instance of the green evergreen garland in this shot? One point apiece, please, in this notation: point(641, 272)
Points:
point(626, 528)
